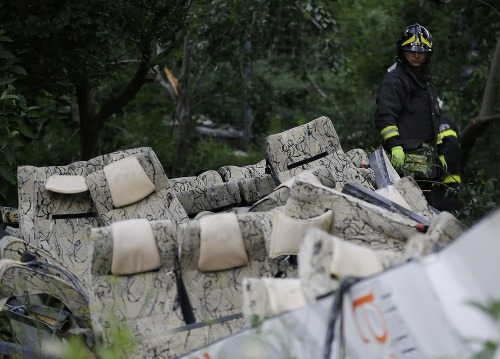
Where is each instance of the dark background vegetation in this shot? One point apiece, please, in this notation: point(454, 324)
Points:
point(84, 78)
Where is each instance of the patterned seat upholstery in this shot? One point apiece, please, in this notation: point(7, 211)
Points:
point(281, 193)
point(216, 295)
point(16, 249)
point(411, 192)
point(26, 200)
point(39, 305)
point(324, 259)
point(355, 219)
point(317, 272)
point(310, 145)
point(206, 192)
point(160, 204)
point(146, 304)
point(19, 279)
point(255, 188)
point(265, 298)
point(253, 181)
point(207, 178)
point(234, 173)
point(34, 205)
point(57, 222)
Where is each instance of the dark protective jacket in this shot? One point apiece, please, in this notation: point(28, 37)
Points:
point(449, 144)
point(407, 111)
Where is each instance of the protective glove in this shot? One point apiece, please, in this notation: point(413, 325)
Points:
point(443, 163)
point(397, 157)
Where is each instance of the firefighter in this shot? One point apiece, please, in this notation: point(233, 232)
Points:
point(444, 193)
point(407, 115)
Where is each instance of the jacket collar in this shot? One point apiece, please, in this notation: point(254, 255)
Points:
point(422, 78)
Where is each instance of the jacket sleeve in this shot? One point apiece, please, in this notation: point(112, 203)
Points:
point(390, 101)
point(448, 144)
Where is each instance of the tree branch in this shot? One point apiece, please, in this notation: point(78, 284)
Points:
point(115, 103)
point(475, 127)
point(141, 77)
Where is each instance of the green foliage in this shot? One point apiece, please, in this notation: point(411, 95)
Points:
point(306, 59)
point(478, 196)
point(208, 154)
point(284, 46)
point(122, 343)
point(60, 42)
point(492, 310)
point(14, 117)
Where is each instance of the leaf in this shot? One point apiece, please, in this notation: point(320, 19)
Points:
point(18, 70)
point(5, 38)
point(7, 80)
point(488, 351)
point(8, 97)
point(4, 54)
point(7, 172)
point(25, 130)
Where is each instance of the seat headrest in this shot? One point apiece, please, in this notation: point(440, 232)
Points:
point(127, 181)
point(288, 233)
point(67, 184)
point(221, 243)
point(134, 247)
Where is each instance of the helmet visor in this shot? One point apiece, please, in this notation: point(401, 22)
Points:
point(417, 43)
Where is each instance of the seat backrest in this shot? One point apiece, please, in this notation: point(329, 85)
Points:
point(159, 204)
point(18, 279)
point(16, 249)
point(314, 144)
point(62, 215)
point(412, 193)
point(216, 293)
point(234, 173)
point(206, 192)
point(253, 181)
point(265, 298)
point(355, 219)
point(325, 259)
point(26, 200)
point(303, 147)
point(158, 174)
point(279, 195)
point(206, 178)
point(145, 303)
point(255, 188)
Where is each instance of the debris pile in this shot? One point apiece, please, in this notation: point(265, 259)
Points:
point(188, 267)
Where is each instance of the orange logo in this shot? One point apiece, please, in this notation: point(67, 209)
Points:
point(369, 319)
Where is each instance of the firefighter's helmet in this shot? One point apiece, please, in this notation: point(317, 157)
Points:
point(414, 38)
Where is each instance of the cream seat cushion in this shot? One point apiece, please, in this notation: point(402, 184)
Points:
point(349, 259)
point(285, 294)
point(134, 247)
point(127, 181)
point(288, 233)
point(68, 184)
point(221, 243)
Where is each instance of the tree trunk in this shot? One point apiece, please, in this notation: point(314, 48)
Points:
point(185, 126)
point(247, 79)
point(476, 127)
point(90, 130)
point(91, 121)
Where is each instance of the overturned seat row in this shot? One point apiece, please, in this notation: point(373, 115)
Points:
point(124, 235)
